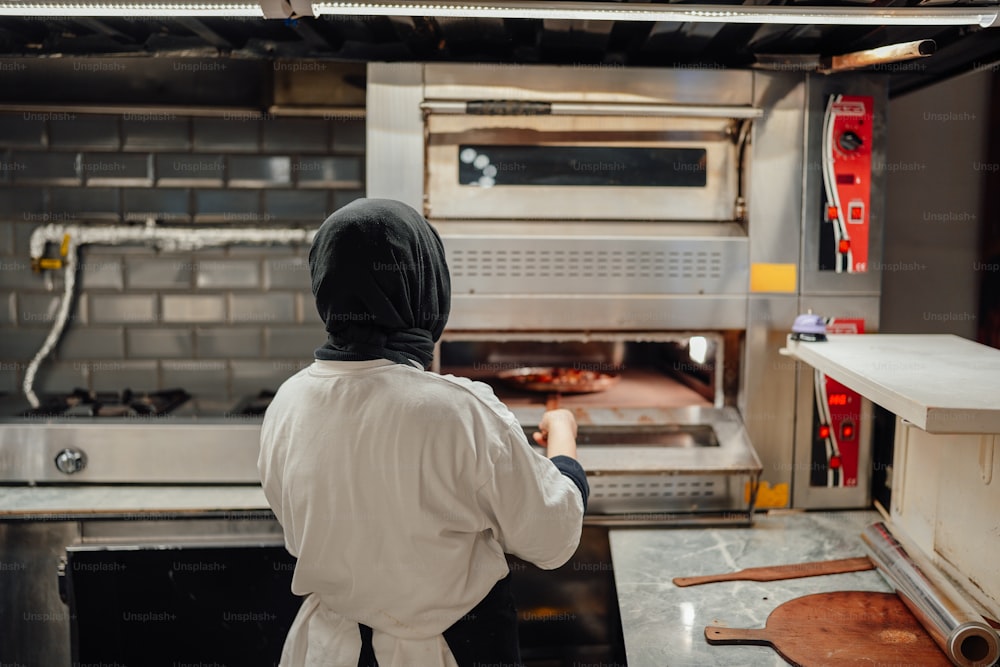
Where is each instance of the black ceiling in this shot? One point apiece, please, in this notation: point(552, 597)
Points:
point(628, 44)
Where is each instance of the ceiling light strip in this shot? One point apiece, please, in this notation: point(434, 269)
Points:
point(606, 11)
point(523, 9)
point(130, 9)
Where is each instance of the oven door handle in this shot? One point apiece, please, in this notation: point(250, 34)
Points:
point(535, 107)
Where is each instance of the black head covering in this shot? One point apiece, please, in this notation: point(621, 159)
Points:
point(381, 283)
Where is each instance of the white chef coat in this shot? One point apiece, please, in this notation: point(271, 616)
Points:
point(399, 491)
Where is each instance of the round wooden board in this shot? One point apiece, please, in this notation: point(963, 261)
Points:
point(841, 629)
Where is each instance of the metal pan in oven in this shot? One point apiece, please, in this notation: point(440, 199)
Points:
point(558, 380)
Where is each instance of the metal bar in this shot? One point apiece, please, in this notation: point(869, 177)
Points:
point(607, 11)
point(611, 109)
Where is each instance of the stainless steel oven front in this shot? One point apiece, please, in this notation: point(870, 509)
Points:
point(717, 204)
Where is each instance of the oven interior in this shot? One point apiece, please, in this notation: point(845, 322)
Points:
point(678, 371)
point(662, 443)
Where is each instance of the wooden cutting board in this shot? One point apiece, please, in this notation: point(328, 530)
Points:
point(841, 629)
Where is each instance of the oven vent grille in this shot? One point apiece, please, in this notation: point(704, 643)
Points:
point(681, 264)
point(618, 493)
point(676, 264)
point(597, 265)
point(655, 488)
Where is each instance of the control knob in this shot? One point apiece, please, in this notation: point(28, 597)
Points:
point(850, 141)
point(70, 461)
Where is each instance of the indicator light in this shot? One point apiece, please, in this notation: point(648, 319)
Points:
point(855, 212)
point(824, 432)
point(834, 462)
point(844, 246)
point(832, 213)
point(847, 430)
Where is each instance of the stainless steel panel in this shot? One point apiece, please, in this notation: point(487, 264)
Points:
point(258, 528)
point(34, 622)
point(775, 169)
point(601, 265)
point(143, 451)
point(767, 393)
point(589, 84)
point(813, 497)
point(395, 133)
point(562, 312)
point(812, 280)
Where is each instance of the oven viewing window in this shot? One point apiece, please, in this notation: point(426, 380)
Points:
point(593, 166)
point(582, 167)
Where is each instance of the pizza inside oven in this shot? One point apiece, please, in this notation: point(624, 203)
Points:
point(559, 380)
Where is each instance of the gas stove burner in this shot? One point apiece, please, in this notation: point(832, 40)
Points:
point(128, 403)
point(253, 406)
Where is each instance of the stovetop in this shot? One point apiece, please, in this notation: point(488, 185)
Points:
point(127, 403)
point(83, 406)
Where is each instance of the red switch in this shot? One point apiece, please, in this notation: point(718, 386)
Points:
point(844, 246)
point(847, 431)
point(856, 212)
point(831, 213)
point(824, 432)
point(834, 462)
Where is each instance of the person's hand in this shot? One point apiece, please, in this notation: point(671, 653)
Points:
point(557, 433)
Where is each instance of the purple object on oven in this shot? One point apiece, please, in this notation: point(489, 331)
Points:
point(809, 327)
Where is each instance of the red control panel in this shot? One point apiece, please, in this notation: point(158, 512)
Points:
point(836, 423)
point(847, 170)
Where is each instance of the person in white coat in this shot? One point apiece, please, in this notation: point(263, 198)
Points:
point(400, 490)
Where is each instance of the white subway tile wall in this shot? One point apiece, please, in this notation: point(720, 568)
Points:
point(220, 323)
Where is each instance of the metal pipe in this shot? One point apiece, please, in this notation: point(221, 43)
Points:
point(71, 237)
point(948, 617)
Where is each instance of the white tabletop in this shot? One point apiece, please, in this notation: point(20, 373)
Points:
point(938, 382)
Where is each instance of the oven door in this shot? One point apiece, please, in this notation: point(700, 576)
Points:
point(580, 165)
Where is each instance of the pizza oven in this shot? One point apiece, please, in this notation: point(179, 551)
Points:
point(651, 235)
